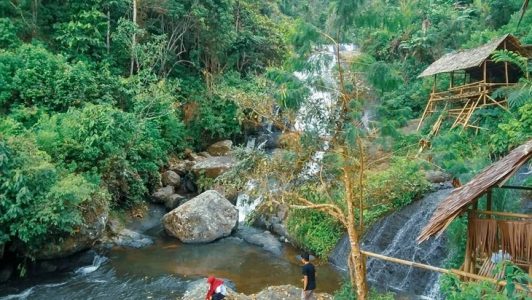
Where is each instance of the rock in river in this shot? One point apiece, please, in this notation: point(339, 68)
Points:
point(213, 167)
point(163, 194)
point(197, 290)
point(203, 219)
point(220, 148)
point(171, 178)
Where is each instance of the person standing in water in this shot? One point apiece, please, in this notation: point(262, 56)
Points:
point(309, 277)
point(217, 290)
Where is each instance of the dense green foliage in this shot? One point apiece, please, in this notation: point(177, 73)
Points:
point(93, 100)
point(455, 289)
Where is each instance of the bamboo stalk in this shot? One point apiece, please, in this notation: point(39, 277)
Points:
point(437, 269)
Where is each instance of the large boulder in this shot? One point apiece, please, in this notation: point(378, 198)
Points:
point(213, 167)
point(202, 219)
point(197, 289)
point(171, 178)
point(283, 292)
point(89, 232)
point(163, 194)
point(220, 148)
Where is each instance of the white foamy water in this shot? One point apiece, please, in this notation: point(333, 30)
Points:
point(96, 263)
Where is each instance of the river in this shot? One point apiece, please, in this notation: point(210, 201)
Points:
point(163, 270)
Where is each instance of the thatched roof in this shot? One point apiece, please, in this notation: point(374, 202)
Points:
point(471, 58)
point(458, 201)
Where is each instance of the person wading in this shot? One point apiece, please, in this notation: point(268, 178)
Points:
point(217, 290)
point(309, 277)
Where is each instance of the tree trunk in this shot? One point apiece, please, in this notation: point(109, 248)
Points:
point(108, 36)
point(357, 260)
point(133, 39)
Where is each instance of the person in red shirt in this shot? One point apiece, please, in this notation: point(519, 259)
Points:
point(217, 290)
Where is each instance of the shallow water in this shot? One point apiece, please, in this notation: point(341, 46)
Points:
point(163, 270)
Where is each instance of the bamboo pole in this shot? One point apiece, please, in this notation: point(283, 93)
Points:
point(437, 269)
point(503, 214)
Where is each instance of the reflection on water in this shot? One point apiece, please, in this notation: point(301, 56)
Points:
point(163, 270)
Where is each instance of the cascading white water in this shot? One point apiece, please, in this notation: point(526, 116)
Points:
point(316, 113)
point(96, 263)
point(395, 236)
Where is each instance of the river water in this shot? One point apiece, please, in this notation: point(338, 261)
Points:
point(163, 270)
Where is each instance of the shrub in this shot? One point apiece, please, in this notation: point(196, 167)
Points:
point(315, 231)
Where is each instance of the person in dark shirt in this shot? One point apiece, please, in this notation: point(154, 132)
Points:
point(309, 277)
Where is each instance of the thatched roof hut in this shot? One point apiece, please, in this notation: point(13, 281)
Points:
point(459, 200)
point(474, 58)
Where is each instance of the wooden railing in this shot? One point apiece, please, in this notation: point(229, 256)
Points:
point(467, 91)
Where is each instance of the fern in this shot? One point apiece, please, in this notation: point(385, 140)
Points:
point(511, 57)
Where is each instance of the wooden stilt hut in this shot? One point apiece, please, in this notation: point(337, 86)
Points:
point(473, 76)
point(492, 235)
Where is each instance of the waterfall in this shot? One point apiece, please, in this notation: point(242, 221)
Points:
point(314, 115)
point(395, 236)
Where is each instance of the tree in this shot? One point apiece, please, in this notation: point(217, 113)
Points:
point(334, 184)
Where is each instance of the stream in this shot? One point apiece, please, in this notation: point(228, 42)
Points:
point(164, 269)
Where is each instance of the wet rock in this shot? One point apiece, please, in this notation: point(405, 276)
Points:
point(213, 167)
point(91, 230)
point(163, 194)
point(202, 219)
point(284, 292)
point(197, 289)
point(63, 264)
point(131, 239)
point(264, 239)
point(179, 166)
point(174, 201)
point(189, 154)
point(220, 148)
point(171, 178)
point(437, 176)
point(281, 230)
point(230, 193)
point(204, 154)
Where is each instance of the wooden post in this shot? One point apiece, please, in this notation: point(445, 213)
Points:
point(485, 79)
point(467, 256)
point(451, 83)
point(434, 83)
point(488, 201)
point(506, 67)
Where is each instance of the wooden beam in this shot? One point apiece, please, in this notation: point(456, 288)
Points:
point(503, 214)
point(514, 187)
point(436, 269)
